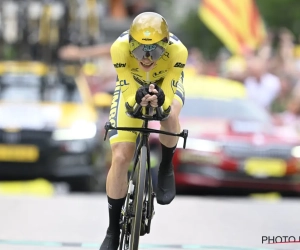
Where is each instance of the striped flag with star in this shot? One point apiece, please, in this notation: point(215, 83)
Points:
point(237, 23)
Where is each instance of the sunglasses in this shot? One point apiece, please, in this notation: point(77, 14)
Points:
point(151, 51)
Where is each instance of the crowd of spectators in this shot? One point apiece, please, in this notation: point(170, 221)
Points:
point(271, 74)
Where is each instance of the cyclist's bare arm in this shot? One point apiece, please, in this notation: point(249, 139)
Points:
point(73, 52)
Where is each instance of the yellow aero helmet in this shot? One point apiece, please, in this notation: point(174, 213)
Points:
point(149, 28)
point(148, 36)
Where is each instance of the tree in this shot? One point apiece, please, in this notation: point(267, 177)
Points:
point(279, 13)
point(195, 34)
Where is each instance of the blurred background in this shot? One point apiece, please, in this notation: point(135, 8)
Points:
point(242, 93)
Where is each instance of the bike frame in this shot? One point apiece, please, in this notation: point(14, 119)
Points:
point(144, 142)
point(144, 134)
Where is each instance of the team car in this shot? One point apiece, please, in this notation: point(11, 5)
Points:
point(48, 127)
point(232, 142)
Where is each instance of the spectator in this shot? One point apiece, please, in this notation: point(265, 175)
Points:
point(117, 9)
point(283, 61)
point(135, 7)
point(280, 103)
point(196, 61)
point(235, 68)
point(286, 51)
point(262, 87)
point(266, 50)
point(76, 53)
point(288, 122)
point(291, 116)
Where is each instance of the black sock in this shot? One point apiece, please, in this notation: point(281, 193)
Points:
point(166, 156)
point(114, 209)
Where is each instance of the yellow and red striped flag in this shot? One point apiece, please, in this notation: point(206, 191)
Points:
point(237, 23)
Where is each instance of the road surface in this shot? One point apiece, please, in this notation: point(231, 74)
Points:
point(74, 221)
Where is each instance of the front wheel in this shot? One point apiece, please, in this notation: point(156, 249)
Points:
point(138, 200)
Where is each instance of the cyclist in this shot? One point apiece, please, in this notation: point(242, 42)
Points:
point(148, 57)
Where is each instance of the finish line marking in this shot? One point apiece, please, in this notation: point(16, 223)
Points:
point(142, 246)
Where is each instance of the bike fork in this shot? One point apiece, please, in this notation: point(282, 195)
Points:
point(150, 213)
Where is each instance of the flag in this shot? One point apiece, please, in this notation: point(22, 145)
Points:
point(237, 23)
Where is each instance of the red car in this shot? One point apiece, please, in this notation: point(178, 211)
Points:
point(232, 143)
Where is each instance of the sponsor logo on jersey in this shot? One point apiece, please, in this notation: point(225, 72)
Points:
point(119, 65)
point(157, 74)
point(114, 107)
point(166, 56)
point(123, 83)
point(140, 81)
point(179, 65)
point(174, 84)
point(136, 75)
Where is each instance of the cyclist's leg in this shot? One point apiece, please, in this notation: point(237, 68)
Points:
point(123, 147)
point(166, 190)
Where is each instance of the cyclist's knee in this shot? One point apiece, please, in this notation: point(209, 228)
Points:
point(122, 154)
point(169, 123)
point(176, 108)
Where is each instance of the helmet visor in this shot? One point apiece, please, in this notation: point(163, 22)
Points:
point(150, 51)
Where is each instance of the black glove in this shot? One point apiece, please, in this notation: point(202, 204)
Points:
point(142, 91)
point(160, 96)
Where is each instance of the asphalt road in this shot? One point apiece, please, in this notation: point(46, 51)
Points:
point(65, 222)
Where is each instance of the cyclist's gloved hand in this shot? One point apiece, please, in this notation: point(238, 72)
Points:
point(137, 107)
point(150, 95)
point(160, 96)
point(140, 94)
